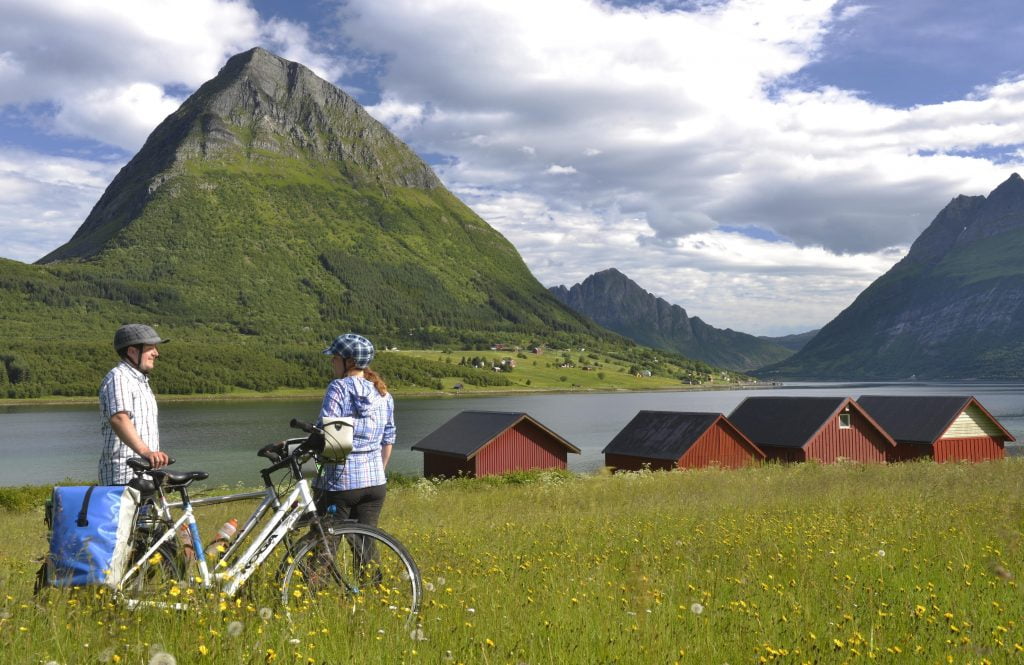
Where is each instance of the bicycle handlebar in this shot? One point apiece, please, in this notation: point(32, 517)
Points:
point(305, 427)
point(140, 464)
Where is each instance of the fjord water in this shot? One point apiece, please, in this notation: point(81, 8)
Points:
point(47, 444)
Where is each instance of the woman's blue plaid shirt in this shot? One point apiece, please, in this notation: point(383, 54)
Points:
point(374, 427)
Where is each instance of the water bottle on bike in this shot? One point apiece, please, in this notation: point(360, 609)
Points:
point(224, 535)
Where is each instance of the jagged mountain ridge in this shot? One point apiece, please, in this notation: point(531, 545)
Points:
point(952, 308)
point(618, 303)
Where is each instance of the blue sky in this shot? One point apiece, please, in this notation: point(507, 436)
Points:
point(758, 162)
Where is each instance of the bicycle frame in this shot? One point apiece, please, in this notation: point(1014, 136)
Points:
point(230, 576)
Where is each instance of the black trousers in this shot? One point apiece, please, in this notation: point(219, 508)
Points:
point(363, 505)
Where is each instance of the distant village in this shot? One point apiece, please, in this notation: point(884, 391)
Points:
point(826, 430)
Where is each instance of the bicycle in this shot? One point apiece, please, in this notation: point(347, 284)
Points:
point(335, 559)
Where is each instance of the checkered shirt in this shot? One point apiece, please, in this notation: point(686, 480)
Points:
point(374, 427)
point(125, 388)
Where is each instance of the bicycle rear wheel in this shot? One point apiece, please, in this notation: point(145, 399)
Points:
point(358, 568)
point(159, 581)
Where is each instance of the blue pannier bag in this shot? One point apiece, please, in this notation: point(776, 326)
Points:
point(91, 535)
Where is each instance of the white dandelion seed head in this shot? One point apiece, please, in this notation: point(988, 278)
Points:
point(440, 580)
point(428, 586)
point(294, 640)
point(380, 631)
point(162, 658)
point(471, 610)
point(235, 628)
point(266, 613)
point(417, 635)
point(881, 553)
point(696, 608)
point(107, 655)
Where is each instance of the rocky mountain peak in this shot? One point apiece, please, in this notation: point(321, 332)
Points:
point(967, 219)
point(258, 108)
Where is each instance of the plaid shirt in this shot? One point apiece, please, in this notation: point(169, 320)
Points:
point(374, 427)
point(125, 388)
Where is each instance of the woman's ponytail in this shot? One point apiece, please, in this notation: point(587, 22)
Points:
point(376, 380)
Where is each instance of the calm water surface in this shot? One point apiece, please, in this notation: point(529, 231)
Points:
point(46, 444)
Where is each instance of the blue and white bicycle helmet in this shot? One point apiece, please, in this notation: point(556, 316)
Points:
point(351, 345)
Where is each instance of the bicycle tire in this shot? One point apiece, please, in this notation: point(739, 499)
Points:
point(361, 568)
point(159, 580)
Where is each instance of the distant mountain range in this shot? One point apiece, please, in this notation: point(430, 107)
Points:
point(953, 308)
point(620, 304)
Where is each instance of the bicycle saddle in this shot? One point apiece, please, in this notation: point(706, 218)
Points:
point(177, 478)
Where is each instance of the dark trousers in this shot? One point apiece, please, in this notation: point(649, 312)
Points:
point(363, 505)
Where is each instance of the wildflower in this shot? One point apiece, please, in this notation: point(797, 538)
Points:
point(266, 613)
point(203, 649)
point(881, 554)
point(235, 628)
point(440, 581)
point(429, 586)
point(696, 608)
point(162, 658)
point(471, 610)
point(294, 640)
point(489, 642)
point(417, 635)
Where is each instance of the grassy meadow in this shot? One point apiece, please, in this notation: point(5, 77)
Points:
point(907, 563)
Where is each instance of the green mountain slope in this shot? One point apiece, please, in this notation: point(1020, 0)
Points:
point(953, 308)
point(266, 215)
point(620, 304)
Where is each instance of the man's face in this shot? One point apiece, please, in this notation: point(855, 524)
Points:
point(147, 358)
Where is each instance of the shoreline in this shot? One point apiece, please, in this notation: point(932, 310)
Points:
point(432, 394)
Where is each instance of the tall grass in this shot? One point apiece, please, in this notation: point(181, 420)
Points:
point(804, 563)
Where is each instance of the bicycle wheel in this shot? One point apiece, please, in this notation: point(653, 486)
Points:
point(359, 568)
point(160, 579)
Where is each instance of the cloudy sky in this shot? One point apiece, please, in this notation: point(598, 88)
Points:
point(758, 162)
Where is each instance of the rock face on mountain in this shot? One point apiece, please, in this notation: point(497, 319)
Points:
point(953, 308)
point(620, 304)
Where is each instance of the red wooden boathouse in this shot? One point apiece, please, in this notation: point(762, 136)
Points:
point(663, 440)
point(943, 428)
point(480, 443)
point(823, 429)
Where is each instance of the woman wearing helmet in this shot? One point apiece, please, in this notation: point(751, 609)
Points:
point(357, 488)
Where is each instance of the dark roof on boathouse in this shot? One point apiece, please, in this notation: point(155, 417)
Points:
point(923, 418)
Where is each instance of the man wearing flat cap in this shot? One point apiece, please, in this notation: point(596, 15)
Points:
point(129, 423)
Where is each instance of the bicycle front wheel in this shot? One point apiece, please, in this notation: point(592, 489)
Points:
point(356, 567)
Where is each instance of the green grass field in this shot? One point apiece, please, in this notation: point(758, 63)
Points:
point(908, 563)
